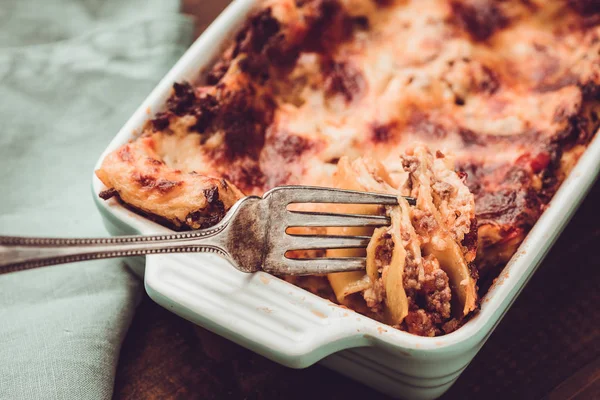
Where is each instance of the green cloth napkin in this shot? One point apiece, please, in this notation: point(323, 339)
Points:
point(71, 73)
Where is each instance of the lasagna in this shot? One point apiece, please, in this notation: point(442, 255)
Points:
point(478, 108)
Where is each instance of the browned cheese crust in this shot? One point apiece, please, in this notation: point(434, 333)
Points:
point(510, 89)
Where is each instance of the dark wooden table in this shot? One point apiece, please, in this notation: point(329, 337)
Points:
point(547, 346)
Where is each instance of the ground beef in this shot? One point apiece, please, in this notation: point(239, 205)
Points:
point(436, 288)
point(429, 296)
point(424, 222)
point(419, 323)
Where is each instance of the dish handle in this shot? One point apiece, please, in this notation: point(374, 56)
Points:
point(258, 311)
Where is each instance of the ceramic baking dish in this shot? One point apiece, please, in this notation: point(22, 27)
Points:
point(294, 327)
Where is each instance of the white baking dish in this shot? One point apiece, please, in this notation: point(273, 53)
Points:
point(295, 328)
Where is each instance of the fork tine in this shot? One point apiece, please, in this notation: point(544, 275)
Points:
point(310, 266)
point(308, 242)
point(306, 218)
point(315, 194)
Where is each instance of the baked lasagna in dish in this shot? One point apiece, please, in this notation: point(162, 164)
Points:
point(477, 108)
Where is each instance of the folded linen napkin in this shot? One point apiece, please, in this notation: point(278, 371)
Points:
point(71, 73)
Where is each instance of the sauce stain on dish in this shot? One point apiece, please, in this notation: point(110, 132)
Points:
point(499, 281)
point(318, 313)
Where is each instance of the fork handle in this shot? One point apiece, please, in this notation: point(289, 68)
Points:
point(21, 253)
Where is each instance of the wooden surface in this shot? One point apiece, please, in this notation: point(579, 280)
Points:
point(547, 346)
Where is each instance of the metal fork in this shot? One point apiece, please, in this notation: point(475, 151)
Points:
point(252, 236)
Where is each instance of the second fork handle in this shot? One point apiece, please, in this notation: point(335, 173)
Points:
point(21, 253)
